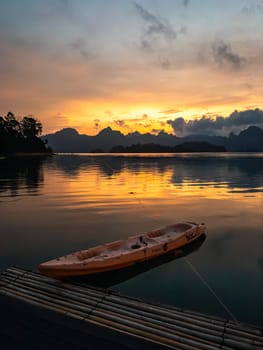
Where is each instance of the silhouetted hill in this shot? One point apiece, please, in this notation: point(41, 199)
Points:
point(108, 138)
point(69, 140)
point(249, 140)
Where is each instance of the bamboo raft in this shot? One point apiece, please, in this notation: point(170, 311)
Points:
point(163, 325)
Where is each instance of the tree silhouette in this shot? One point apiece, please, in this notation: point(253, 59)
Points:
point(31, 127)
point(21, 136)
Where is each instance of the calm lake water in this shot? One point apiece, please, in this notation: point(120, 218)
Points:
point(50, 207)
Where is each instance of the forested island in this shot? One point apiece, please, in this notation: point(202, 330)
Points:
point(21, 136)
point(181, 148)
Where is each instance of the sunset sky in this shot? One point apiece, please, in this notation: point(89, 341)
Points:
point(132, 65)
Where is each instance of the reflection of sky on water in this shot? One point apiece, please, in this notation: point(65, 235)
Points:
point(83, 201)
point(235, 174)
point(243, 173)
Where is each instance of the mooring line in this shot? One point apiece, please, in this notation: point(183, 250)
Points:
point(212, 291)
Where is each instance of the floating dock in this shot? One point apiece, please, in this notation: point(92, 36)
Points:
point(38, 312)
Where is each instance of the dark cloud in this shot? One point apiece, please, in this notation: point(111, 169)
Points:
point(186, 3)
point(119, 122)
point(183, 30)
point(158, 37)
point(236, 121)
point(252, 7)
point(96, 124)
point(224, 55)
point(170, 111)
point(155, 25)
point(122, 123)
point(146, 45)
point(165, 63)
point(155, 28)
point(179, 125)
point(80, 45)
point(247, 117)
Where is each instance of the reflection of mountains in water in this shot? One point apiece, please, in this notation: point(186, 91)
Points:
point(108, 279)
point(21, 175)
point(235, 171)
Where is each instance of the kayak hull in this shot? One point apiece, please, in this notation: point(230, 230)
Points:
point(121, 254)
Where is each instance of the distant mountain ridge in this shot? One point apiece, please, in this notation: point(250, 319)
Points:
point(69, 140)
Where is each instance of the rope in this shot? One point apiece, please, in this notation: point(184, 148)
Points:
point(211, 290)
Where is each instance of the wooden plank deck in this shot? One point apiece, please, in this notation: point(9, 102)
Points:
point(42, 313)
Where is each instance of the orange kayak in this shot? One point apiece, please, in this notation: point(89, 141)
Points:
point(123, 253)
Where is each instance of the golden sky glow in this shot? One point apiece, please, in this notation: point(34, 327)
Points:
point(73, 64)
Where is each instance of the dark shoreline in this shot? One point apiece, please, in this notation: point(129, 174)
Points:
point(26, 154)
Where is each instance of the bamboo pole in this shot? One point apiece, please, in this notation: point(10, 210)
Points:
point(180, 326)
point(114, 295)
point(129, 322)
point(170, 307)
point(139, 311)
point(117, 326)
point(128, 314)
point(20, 271)
point(225, 328)
point(193, 314)
point(20, 274)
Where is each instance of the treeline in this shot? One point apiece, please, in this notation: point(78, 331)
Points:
point(156, 148)
point(21, 136)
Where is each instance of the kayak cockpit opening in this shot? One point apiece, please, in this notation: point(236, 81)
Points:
point(135, 246)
